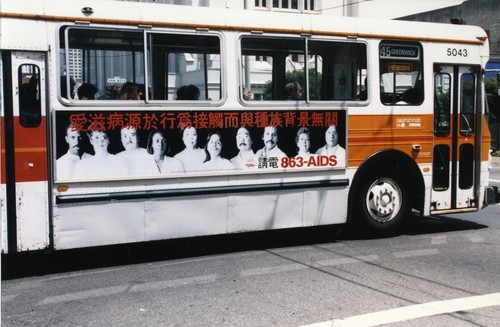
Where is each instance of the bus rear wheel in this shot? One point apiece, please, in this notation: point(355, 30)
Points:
point(382, 207)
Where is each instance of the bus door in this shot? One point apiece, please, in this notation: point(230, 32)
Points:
point(454, 152)
point(24, 153)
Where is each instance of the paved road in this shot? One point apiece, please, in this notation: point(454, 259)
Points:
point(443, 271)
point(439, 262)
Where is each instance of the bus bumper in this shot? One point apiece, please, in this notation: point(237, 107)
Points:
point(492, 195)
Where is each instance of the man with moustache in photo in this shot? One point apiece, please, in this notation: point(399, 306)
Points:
point(135, 155)
point(270, 149)
point(66, 163)
point(246, 158)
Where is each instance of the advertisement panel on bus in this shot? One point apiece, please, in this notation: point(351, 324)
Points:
point(118, 144)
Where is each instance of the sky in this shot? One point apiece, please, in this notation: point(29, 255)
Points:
point(387, 8)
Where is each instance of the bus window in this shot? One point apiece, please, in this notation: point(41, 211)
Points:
point(442, 104)
point(441, 168)
point(401, 80)
point(272, 67)
point(337, 71)
point(467, 106)
point(30, 107)
point(466, 166)
point(182, 63)
point(105, 59)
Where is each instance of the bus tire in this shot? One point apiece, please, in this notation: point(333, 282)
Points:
point(382, 205)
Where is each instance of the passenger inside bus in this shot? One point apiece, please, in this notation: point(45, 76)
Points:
point(87, 91)
point(188, 92)
point(247, 95)
point(129, 91)
point(64, 89)
point(293, 91)
point(363, 95)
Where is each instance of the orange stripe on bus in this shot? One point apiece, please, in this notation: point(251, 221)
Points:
point(232, 28)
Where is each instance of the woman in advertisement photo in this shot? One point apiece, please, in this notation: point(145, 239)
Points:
point(213, 149)
point(159, 162)
point(102, 163)
point(303, 141)
point(191, 157)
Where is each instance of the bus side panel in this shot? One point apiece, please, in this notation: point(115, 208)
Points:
point(30, 151)
point(32, 212)
point(94, 224)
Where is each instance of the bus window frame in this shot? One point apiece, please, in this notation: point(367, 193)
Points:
point(261, 103)
point(222, 70)
point(401, 60)
point(306, 98)
point(146, 65)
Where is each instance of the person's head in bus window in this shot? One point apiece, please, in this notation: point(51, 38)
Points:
point(363, 95)
point(303, 141)
point(293, 91)
point(247, 95)
point(189, 92)
point(64, 88)
point(129, 91)
point(87, 91)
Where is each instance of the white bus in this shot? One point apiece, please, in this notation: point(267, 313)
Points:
point(127, 122)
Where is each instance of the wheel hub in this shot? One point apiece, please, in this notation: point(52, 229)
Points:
point(384, 200)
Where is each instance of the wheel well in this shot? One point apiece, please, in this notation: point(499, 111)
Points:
point(394, 161)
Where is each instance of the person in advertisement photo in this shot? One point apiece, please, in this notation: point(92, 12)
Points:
point(213, 149)
point(159, 162)
point(303, 141)
point(270, 155)
point(66, 163)
point(167, 143)
point(246, 158)
point(192, 157)
point(332, 146)
point(102, 163)
point(136, 156)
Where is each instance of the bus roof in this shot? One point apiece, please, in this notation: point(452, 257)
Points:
point(164, 15)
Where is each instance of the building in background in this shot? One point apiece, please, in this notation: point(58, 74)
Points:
point(486, 14)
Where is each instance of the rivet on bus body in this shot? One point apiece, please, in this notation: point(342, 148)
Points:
point(62, 188)
point(426, 169)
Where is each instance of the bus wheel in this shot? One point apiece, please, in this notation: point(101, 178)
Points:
point(382, 205)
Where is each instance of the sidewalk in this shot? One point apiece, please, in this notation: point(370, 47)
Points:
point(495, 162)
